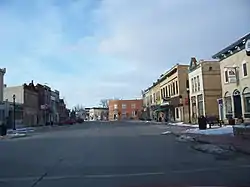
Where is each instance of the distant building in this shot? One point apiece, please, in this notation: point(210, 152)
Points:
point(2, 104)
point(125, 109)
point(205, 88)
point(27, 96)
point(235, 79)
point(166, 98)
point(98, 113)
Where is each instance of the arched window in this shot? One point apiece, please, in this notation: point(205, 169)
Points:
point(228, 103)
point(246, 98)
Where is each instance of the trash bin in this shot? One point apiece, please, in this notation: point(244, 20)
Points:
point(202, 121)
point(231, 121)
point(3, 130)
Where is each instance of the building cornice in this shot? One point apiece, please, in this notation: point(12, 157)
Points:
point(232, 49)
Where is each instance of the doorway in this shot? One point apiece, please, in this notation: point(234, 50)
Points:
point(237, 104)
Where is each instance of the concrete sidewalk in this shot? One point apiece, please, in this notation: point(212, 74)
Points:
point(239, 144)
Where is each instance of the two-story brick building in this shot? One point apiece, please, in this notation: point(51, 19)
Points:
point(235, 80)
point(205, 88)
point(44, 102)
point(125, 109)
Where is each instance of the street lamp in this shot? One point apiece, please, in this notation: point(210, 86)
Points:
point(14, 112)
point(188, 94)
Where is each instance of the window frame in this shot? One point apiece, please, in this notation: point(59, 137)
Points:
point(243, 72)
point(225, 76)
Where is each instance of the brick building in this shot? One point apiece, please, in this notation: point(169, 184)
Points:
point(205, 88)
point(125, 109)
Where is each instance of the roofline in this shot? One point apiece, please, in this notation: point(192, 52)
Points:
point(164, 75)
point(233, 45)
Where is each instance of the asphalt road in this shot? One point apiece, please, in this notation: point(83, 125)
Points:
point(113, 154)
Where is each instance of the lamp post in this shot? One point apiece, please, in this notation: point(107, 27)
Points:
point(14, 112)
point(188, 94)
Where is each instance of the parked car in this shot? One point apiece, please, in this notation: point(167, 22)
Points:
point(79, 120)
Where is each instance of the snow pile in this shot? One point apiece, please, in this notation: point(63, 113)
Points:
point(215, 131)
point(184, 124)
point(242, 126)
point(166, 132)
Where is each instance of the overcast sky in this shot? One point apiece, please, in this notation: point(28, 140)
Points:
point(95, 49)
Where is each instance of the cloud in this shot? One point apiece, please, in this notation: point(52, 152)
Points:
point(90, 50)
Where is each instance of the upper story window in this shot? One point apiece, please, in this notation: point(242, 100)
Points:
point(124, 106)
point(195, 84)
point(176, 87)
point(154, 98)
point(115, 106)
point(151, 101)
point(173, 88)
point(244, 69)
point(192, 82)
point(133, 105)
point(198, 83)
point(166, 91)
point(226, 76)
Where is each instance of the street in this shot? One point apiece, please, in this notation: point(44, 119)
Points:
point(114, 154)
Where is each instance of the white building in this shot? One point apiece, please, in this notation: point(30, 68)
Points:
point(235, 78)
point(98, 113)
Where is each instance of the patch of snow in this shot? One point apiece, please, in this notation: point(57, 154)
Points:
point(166, 132)
point(242, 126)
point(210, 148)
point(215, 131)
point(185, 138)
point(16, 135)
point(184, 124)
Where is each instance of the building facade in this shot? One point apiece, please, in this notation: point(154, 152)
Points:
point(63, 111)
point(2, 104)
point(27, 97)
point(44, 102)
point(55, 96)
point(165, 99)
point(98, 113)
point(125, 109)
point(235, 78)
point(205, 88)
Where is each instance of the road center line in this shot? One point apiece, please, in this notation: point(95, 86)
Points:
point(120, 175)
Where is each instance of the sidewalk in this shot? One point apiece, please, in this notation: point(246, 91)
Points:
point(237, 143)
point(222, 136)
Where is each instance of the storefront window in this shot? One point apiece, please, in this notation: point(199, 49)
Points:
point(200, 105)
point(246, 97)
point(228, 104)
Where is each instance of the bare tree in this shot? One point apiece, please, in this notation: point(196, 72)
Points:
point(79, 108)
point(104, 103)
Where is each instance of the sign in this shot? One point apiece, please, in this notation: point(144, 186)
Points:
point(231, 75)
point(247, 47)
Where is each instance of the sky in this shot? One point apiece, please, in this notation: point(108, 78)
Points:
point(100, 49)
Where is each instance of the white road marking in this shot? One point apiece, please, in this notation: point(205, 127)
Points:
point(32, 178)
point(123, 175)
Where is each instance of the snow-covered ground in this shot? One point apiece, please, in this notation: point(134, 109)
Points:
point(214, 131)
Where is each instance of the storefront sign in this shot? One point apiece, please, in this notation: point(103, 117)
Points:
point(232, 75)
point(247, 47)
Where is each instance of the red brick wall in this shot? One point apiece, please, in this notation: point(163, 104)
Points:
point(125, 113)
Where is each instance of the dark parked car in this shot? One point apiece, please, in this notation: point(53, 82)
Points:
point(80, 120)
